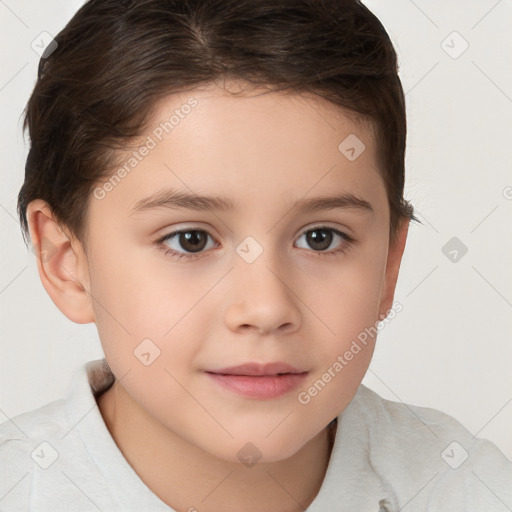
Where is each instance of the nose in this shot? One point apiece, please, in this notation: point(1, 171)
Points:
point(262, 298)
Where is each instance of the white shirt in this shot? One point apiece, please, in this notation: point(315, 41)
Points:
point(387, 456)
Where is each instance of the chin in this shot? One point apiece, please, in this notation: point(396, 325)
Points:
point(255, 451)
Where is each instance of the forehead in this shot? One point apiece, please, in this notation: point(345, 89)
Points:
point(252, 145)
point(229, 110)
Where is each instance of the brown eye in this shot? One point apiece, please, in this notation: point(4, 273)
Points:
point(188, 244)
point(322, 237)
point(192, 241)
point(185, 241)
point(319, 239)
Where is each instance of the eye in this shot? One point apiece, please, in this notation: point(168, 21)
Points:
point(191, 240)
point(189, 243)
point(320, 238)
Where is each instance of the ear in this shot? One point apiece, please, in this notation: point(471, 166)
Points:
point(395, 252)
point(61, 263)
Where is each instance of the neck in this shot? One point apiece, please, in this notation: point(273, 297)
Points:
point(183, 476)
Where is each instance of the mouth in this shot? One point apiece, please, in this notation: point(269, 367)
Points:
point(259, 370)
point(259, 381)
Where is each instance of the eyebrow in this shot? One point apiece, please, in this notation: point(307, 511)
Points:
point(173, 199)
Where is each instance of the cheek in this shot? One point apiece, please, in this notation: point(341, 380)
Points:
point(343, 354)
point(346, 296)
point(146, 312)
point(347, 303)
point(135, 290)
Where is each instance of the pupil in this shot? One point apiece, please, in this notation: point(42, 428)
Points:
point(192, 241)
point(323, 240)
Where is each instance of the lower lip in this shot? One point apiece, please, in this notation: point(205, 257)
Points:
point(265, 387)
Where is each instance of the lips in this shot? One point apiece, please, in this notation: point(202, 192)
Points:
point(257, 369)
point(259, 381)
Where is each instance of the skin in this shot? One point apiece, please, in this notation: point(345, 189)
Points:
point(179, 431)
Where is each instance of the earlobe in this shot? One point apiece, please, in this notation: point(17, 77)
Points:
point(61, 264)
point(395, 252)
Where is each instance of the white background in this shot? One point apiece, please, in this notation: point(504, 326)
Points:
point(451, 346)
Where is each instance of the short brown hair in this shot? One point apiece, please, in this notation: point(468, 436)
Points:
point(115, 59)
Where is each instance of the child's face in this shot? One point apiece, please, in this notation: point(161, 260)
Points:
point(227, 304)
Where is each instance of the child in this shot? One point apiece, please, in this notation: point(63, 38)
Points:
point(274, 132)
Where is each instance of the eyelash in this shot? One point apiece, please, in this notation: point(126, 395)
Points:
point(347, 242)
